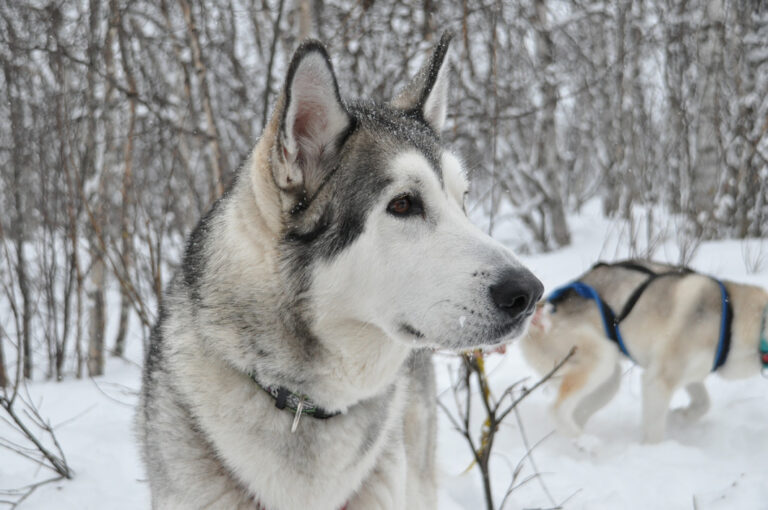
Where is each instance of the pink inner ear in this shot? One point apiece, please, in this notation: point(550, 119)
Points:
point(310, 120)
point(310, 130)
point(315, 117)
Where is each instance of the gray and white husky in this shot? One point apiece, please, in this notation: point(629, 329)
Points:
point(677, 324)
point(290, 368)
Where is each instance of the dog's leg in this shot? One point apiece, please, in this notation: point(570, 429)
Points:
point(598, 398)
point(699, 404)
point(593, 366)
point(658, 388)
point(568, 398)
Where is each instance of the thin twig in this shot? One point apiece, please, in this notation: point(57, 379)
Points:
point(110, 397)
point(529, 453)
point(473, 364)
point(25, 492)
point(55, 461)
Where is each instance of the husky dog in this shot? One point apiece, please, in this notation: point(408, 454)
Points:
point(677, 324)
point(290, 367)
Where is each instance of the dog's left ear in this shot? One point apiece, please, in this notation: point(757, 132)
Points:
point(427, 93)
point(313, 120)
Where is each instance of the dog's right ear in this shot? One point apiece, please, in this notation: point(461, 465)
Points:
point(427, 93)
point(313, 119)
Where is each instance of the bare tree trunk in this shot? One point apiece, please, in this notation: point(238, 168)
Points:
point(74, 182)
point(707, 154)
point(78, 307)
point(3, 373)
point(270, 64)
point(546, 156)
point(622, 124)
point(214, 154)
point(18, 225)
point(731, 205)
point(97, 318)
point(605, 132)
point(122, 326)
point(678, 187)
point(495, 189)
point(23, 281)
point(126, 194)
point(61, 345)
point(428, 28)
point(640, 125)
point(97, 275)
point(305, 19)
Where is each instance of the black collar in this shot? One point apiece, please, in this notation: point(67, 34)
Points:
point(299, 404)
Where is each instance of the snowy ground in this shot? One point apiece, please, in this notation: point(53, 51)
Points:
point(717, 463)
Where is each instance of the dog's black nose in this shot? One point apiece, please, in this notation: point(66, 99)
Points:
point(516, 291)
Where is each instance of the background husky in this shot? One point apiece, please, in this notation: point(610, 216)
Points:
point(672, 332)
point(338, 256)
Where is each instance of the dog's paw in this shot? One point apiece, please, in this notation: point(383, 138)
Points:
point(679, 416)
point(566, 425)
point(685, 415)
point(587, 443)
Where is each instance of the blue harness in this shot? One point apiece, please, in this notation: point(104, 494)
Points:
point(611, 321)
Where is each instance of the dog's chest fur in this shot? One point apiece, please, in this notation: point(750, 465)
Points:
point(236, 439)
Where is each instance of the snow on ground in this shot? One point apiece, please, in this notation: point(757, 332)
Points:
point(93, 420)
point(717, 463)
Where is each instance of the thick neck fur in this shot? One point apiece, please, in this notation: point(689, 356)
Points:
point(269, 322)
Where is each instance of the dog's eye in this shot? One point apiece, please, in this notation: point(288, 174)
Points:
point(400, 205)
point(405, 205)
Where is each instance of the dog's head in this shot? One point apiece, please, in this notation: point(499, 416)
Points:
point(373, 221)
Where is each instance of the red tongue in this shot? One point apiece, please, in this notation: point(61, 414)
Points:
point(765, 358)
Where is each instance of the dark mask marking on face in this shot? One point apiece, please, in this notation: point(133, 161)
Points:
point(405, 129)
point(336, 215)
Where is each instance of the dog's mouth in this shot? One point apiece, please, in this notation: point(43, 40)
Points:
point(473, 335)
point(510, 331)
